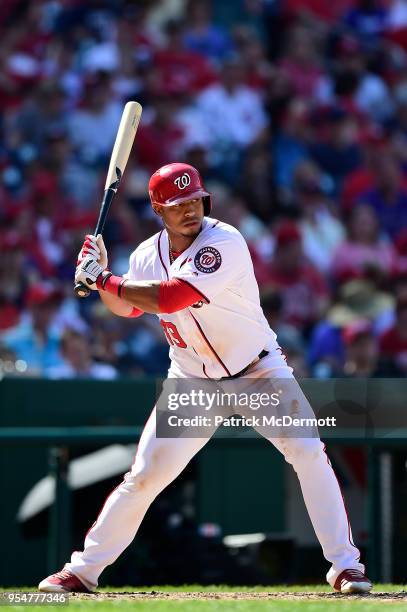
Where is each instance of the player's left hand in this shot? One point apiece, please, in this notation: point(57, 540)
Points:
point(87, 272)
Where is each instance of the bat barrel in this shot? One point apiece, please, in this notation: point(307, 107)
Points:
point(120, 155)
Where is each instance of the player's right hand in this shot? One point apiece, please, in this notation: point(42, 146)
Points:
point(95, 247)
point(87, 272)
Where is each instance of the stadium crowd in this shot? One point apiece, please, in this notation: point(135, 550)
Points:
point(295, 113)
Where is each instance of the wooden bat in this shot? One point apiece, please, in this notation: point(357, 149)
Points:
point(118, 160)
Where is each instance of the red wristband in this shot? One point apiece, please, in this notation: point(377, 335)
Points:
point(110, 283)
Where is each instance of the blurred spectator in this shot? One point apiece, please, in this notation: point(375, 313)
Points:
point(109, 337)
point(233, 116)
point(367, 18)
point(359, 298)
point(388, 197)
point(289, 338)
point(181, 69)
point(362, 356)
point(198, 156)
point(251, 13)
point(399, 280)
point(233, 209)
point(132, 347)
point(42, 113)
point(353, 85)
point(396, 18)
point(365, 250)
point(160, 138)
point(400, 244)
point(147, 349)
point(46, 249)
point(93, 127)
point(321, 9)
point(201, 34)
point(335, 148)
point(321, 230)
point(300, 63)
point(12, 279)
point(75, 350)
point(302, 288)
point(393, 342)
point(290, 142)
point(34, 340)
point(376, 147)
point(278, 96)
point(24, 48)
point(77, 179)
point(160, 12)
point(398, 125)
point(254, 58)
point(398, 287)
point(257, 184)
point(326, 352)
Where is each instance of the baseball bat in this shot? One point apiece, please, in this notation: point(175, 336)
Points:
point(118, 160)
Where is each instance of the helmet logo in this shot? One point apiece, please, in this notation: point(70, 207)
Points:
point(183, 181)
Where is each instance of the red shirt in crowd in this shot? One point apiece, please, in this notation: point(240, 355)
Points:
point(392, 344)
point(301, 293)
point(184, 71)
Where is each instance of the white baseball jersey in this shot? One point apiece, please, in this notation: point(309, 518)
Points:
point(221, 334)
point(217, 337)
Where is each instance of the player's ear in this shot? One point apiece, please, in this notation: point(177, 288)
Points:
point(156, 209)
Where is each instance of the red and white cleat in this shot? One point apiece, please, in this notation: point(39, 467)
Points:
point(63, 582)
point(352, 581)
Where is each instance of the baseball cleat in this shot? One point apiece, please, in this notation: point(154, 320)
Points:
point(63, 582)
point(352, 581)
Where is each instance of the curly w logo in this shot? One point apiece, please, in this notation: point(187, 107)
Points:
point(183, 181)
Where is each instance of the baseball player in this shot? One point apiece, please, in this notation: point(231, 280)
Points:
point(197, 276)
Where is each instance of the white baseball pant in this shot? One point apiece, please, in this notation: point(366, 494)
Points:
point(159, 461)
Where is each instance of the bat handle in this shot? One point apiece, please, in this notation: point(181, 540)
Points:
point(81, 290)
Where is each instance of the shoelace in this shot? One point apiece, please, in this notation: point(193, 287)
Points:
point(64, 574)
point(354, 573)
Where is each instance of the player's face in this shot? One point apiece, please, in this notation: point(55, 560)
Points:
point(184, 218)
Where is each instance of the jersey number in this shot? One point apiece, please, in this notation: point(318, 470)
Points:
point(173, 335)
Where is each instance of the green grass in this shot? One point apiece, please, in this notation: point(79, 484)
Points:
point(341, 605)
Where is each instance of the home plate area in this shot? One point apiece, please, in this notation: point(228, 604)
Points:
point(400, 596)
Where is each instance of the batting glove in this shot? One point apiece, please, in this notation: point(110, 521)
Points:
point(95, 247)
point(87, 272)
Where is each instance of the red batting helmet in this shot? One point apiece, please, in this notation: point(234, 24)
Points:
point(175, 183)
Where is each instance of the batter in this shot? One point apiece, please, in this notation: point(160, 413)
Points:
point(197, 276)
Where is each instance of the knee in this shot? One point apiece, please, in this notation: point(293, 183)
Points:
point(144, 481)
point(301, 452)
